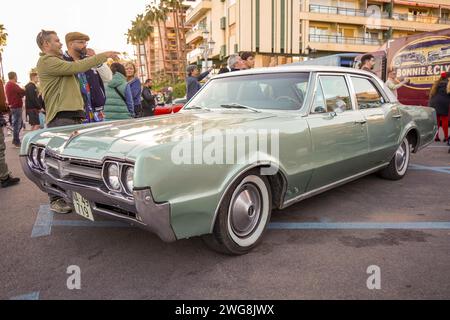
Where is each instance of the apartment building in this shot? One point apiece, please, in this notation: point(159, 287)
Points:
point(330, 26)
point(161, 56)
point(282, 31)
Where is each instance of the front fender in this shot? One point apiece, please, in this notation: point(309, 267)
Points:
point(194, 191)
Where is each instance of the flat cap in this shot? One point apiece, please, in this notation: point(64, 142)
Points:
point(72, 36)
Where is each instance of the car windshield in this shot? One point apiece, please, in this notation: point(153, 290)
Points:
point(280, 91)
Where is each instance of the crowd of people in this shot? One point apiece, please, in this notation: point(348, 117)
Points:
point(72, 87)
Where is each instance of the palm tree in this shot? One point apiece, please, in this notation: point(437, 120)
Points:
point(152, 16)
point(139, 33)
point(3, 41)
point(176, 8)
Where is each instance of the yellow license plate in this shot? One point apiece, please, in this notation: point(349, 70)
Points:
point(82, 206)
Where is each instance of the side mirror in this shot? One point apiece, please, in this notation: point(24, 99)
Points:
point(320, 109)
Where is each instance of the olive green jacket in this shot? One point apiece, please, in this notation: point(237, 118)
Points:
point(59, 83)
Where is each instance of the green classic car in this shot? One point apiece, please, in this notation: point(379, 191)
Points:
point(247, 143)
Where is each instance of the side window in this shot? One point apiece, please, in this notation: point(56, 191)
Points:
point(367, 95)
point(319, 101)
point(336, 94)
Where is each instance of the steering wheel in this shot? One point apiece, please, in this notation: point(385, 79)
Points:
point(280, 98)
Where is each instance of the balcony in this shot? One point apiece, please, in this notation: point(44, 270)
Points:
point(345, 11)
point(425, 19)
point(192, 55)
point(195, 34)
point(338, 43)
point(195, 13)
point(345, 40)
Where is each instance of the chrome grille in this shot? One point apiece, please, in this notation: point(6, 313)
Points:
point(68, 167)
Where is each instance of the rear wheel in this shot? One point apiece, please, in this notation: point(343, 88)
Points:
point(398, 166)
point(243, 216)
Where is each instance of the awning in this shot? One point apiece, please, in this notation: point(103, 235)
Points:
point(376, 27)
point(445, 7)
point(383, 1)
point(416, 4)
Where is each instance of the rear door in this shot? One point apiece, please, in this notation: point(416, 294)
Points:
point(383, 119)
point(338, 131)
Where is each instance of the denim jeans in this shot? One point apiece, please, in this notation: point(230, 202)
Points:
point(61, 122)
point(16, 122)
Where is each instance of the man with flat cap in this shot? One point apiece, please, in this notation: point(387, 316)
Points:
point(63, 101)
point(91, 82)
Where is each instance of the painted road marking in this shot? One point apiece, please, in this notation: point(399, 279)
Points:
point(45, 221)
point(360, 226)
point(28, 296)
point(435, 169)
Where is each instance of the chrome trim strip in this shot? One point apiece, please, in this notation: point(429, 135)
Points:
point(331, 186)
point(424, 146)
point(53, 154)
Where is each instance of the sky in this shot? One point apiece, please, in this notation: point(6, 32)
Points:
point(105, 21)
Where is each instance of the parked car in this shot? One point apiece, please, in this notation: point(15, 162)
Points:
point(162, 110)
point(330, 126)
point(177, 105)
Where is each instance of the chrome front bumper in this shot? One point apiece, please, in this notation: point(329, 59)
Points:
point(141, 211)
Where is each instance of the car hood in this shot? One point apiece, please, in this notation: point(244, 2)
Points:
point(124, 139)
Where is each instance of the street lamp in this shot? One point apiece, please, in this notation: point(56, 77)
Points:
point(207, 48)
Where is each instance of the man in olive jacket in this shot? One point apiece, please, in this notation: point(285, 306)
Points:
point(64, 104)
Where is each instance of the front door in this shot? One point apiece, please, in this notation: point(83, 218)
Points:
point(339, 133)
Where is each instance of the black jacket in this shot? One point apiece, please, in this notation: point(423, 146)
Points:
point(148, 102)
point(441, 100)
point(32, 100)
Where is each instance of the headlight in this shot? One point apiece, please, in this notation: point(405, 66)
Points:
point(35, 156)
point(113, 176)
point(42, 163)
point(129, 179)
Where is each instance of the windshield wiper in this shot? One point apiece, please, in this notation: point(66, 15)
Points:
point(197, 108)
point(239, 106)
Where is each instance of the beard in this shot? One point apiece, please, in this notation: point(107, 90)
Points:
point(81, 52)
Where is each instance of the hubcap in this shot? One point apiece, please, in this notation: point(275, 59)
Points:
point(401, 157)
point(245, 210)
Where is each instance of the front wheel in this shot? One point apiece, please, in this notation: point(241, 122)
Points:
point(399, 164)
point(243, 216)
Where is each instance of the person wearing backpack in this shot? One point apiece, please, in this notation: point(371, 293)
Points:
point(119, 100)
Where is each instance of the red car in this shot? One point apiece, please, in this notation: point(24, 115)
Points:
point(177, 105)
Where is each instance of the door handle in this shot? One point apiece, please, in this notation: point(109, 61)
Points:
point(361, 122)
point(397, 116)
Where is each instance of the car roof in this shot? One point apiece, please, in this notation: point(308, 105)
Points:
point(294, 69)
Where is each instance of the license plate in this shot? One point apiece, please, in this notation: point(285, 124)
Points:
point(82, 206)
